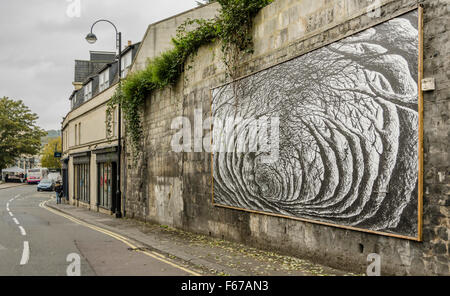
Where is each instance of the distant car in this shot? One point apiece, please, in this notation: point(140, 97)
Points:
point(46, 185)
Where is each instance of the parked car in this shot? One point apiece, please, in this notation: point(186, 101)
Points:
point(46, 185)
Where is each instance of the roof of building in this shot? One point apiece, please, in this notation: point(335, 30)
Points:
point(104, 66)
point(124, 51)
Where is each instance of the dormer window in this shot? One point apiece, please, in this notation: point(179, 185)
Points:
point(88, 91)
point(126, 63)
point(104, 80)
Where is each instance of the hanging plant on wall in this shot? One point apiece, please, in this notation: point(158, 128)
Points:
point(232, 27)
point(235, 23)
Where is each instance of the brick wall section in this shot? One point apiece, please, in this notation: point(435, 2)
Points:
point(175, 188)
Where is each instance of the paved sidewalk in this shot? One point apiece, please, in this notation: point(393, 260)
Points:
point(10, 185)
point(210, 256)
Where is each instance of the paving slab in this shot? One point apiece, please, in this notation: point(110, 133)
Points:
point(213, 256)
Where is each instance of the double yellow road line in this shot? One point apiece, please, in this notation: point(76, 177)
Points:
point(118, 237)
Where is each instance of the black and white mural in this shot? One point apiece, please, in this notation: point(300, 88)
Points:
point(341, 124)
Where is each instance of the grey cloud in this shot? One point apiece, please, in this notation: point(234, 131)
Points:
point(40, 43)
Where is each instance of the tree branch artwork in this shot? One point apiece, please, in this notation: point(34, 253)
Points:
point(348, 133)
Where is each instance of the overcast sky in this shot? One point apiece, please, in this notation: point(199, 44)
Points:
point(40, 39)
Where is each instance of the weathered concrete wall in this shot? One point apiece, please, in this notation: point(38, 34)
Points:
point(435, 249)
point(158, 36)
point(175, 188)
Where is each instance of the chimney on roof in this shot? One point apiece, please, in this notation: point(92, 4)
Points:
point(129, 42)
point(77, 85)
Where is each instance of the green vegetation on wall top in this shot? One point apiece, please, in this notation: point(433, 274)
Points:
point(232, 27)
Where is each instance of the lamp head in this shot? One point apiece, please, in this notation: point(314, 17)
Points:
point(91, 38)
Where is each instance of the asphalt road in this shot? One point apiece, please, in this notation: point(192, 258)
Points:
point(35, 241)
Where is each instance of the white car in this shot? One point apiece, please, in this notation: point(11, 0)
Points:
point(54, 176)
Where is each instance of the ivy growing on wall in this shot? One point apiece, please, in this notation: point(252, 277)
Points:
point(232, 27)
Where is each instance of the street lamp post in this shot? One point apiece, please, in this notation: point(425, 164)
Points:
point(91, 38)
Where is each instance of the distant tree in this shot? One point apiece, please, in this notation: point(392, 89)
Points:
point(48, 159)
point(19, 133)
point(50, 134)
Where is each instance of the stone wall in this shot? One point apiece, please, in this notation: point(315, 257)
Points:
point(158, 37)
point(433, 253)
point(175, 188)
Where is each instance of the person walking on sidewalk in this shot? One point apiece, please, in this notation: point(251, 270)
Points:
point(58, 190)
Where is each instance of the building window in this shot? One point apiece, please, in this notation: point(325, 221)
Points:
point(104, 80)
point(126, 63)
point(112, 118)
point(82, 182)
point(114, 122)
point(79, 133)
point(105, 182)
point(88, 91)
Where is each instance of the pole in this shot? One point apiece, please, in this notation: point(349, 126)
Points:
point(118, 195)
point(119, 132)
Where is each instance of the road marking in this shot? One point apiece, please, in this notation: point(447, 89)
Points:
point(14, 198)
point(25, 253)
point(26, 245)
point(22, 230)
point(152, 254)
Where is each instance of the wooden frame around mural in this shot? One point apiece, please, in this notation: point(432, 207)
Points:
point(419, 8)
point(420, 110)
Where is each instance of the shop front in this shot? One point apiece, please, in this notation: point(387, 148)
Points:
point(106, 160)
point(65, 177)
point(81, 177)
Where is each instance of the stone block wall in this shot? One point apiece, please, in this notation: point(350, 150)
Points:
point(175, 188)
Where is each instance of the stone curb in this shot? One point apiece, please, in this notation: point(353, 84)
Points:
point(11, 186)
point(176, 253)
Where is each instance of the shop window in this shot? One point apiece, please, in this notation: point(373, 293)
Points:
point(82, 182)
point(105, 184)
